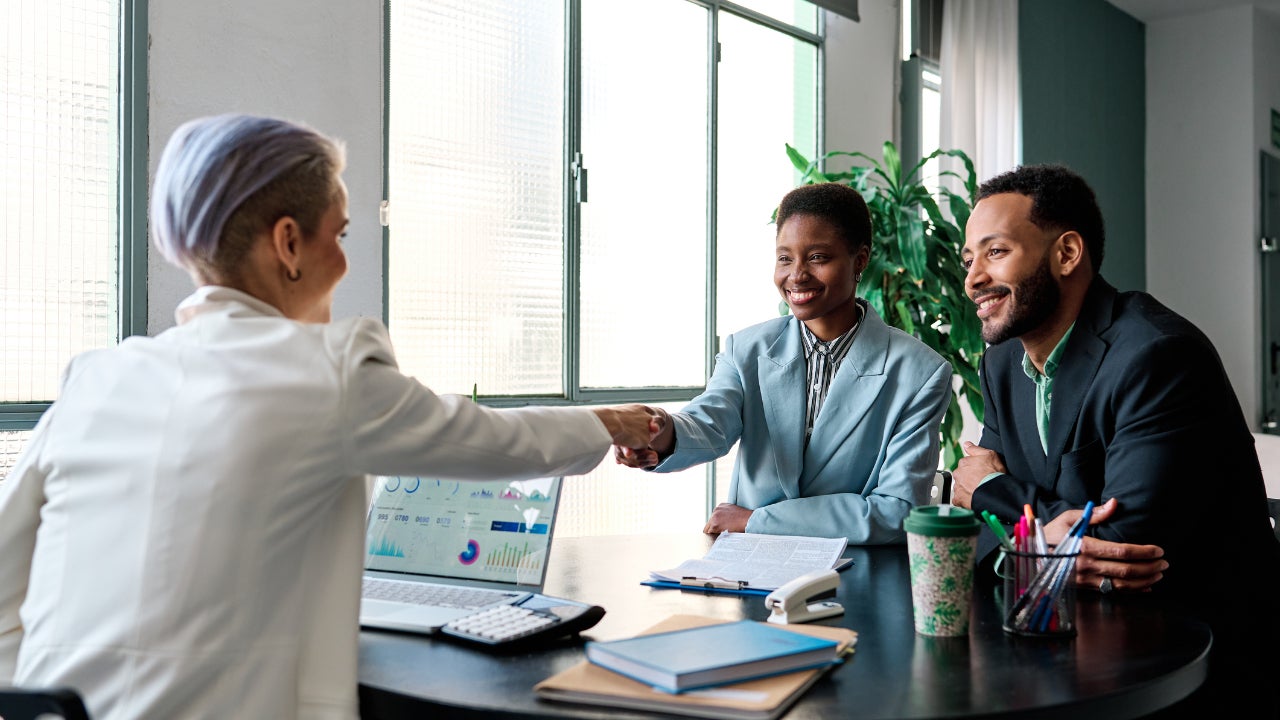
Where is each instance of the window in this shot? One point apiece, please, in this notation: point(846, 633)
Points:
point(922, 85)
point(72, 194)
point(579, 202)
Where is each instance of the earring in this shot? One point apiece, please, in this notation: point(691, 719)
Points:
point(857, 279)
point(294, 276)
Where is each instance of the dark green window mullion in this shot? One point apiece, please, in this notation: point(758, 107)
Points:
point(572, 211)
point(712, 336)
point(384, 214)
point(133, 169)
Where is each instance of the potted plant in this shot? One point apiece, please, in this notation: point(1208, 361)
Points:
point(915, 280)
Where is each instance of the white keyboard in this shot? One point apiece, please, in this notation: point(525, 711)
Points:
point(536, 620)
point(435, 595)
point(500, 624)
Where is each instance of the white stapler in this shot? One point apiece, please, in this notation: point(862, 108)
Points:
point(791, 602)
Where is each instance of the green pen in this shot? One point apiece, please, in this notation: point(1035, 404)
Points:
point(998, 529)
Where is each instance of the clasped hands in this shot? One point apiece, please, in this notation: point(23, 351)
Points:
point(1130, 567)
point(650, 453)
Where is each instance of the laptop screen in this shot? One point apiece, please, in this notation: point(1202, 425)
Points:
point(494, 531)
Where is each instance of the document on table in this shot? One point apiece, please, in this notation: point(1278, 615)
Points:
point(757, 561)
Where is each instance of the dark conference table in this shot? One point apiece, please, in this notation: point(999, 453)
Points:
point(1129, 656)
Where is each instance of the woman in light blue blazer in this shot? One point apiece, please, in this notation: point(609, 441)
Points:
point(838, 414)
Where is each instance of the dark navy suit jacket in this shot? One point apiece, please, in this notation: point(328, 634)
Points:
point(1142, 411)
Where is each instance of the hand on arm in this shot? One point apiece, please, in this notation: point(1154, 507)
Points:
point(659, 446)
point(978, 462)
point(727, 516)
point(1131, 567)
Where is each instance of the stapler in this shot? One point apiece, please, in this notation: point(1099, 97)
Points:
point(791, 603)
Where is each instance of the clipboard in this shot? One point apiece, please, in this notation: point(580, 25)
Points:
point(724, 587)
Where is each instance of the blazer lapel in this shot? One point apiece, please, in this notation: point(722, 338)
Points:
point(1084, 354)
point(854, 388)
point(781, 373)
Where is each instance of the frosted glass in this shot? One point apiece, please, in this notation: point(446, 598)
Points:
point(11, 444)
point(768, 98)
point(475, 262)
point(59, 147)
point(644, 227)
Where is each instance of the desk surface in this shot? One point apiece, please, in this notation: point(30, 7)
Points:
point(1129, 657)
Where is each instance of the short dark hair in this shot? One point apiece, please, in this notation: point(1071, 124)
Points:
point(838, 204)
point(1060, 200)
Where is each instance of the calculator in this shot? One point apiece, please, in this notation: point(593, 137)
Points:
point(538, 619)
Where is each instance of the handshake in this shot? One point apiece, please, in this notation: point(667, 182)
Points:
point(642, 435)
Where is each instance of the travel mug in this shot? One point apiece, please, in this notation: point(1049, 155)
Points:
point(941, 543)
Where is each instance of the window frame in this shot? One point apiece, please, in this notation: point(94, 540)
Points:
point(131, 198)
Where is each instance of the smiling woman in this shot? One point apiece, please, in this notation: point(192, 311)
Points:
point(817, 400)
point(914, 279)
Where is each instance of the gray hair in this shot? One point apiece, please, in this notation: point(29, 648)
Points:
point(222, 180)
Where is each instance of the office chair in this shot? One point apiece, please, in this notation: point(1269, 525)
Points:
point(940, 491)
point(33, 703)
point(1268, 447)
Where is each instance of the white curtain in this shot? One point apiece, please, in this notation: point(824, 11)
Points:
point(981, 106)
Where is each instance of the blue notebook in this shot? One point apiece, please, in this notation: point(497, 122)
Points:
point(712, 655)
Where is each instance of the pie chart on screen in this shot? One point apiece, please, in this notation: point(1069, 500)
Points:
point(468, 556)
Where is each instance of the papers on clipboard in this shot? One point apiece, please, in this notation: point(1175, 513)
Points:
point(753, 563)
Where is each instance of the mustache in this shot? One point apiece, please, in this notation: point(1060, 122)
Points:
point(987, 293)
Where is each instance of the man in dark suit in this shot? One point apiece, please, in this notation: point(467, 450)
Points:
point(1111, 397)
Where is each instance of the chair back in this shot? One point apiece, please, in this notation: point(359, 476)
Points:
point(1268, 447)
point(33, 703)
point(940, 490)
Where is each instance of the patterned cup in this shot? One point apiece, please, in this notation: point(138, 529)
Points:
point(941, 543)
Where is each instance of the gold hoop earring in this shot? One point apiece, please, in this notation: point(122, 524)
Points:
point(294, 275)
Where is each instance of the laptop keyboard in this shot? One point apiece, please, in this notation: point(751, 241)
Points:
point(434, 595)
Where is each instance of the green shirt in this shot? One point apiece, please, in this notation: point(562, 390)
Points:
point(1044, 386)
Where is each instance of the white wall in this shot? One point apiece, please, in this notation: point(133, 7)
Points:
point(861, 63)
point(317, 63)
point(1211, 81)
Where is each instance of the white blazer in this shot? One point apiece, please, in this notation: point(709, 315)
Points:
point(184, 534)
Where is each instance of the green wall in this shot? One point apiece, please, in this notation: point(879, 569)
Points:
point(1083, 66)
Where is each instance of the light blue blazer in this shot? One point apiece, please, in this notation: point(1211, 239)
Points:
point(874, 447)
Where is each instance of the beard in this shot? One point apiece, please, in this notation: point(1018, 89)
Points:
point(1034, 300)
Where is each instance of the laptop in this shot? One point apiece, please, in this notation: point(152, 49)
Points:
point(437, 550)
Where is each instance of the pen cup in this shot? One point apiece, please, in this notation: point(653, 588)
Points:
point(1039, 594)
point(941, 543)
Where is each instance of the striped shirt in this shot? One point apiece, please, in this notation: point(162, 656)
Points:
point(823, 360)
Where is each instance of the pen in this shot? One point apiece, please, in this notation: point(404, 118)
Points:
point(998, 529)
point(1042, 546)
point(712, 583)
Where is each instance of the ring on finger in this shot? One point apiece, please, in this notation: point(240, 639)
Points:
point(1106, 585)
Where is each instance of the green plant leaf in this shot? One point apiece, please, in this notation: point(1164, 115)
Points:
point(892, 166)
point(800, 162)
point(911, 242)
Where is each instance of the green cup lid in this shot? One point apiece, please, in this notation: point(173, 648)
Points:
point(941, 521)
